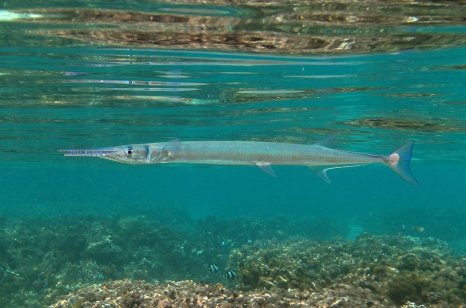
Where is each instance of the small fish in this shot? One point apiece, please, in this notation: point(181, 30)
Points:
point(213, 268)
point(419, 229)
point(230, 274)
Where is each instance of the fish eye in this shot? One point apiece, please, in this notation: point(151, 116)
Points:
point(129, 151)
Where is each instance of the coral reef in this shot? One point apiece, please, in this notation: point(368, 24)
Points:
point(445, 223)
point(45, 258)
point(191, 294)
point(393, 269)
point(41, 259)
point(126, 260)
point(370, 272)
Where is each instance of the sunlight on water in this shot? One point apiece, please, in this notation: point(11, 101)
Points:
point(133, 95)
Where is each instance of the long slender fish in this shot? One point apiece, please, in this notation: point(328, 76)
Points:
point(317, 156)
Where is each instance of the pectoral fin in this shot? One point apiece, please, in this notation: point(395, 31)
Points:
point(266, 168)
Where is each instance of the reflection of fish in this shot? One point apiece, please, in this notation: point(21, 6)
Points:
point(213, 268)
point(230, 274)
point(261, 154)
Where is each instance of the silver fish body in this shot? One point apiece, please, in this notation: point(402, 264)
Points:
point(252, 153)
point(261, 154)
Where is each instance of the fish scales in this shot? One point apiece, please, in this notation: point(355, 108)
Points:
point(262, 154)
point(273, 153)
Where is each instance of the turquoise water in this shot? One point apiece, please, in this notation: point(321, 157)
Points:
point(89, 90)
point(93, 97)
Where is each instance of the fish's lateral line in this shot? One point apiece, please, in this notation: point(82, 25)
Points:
point(261, 154)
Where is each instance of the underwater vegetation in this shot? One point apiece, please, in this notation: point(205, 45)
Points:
point(443, 223)
point(42, 258)
point(373, 271)
point(167, 258)
point(47, 257)
point(394, 269)
point(187, 293)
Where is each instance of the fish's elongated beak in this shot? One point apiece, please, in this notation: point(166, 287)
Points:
point(89, 152)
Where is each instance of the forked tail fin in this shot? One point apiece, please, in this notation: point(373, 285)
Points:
point(400, 160)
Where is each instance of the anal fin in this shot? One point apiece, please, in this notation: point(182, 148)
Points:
point(323, 175)
point(322, 172)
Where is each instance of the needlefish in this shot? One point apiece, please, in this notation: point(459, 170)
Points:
point(319, 156)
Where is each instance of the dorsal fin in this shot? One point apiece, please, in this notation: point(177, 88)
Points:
point(326, 142)
point(172, 145)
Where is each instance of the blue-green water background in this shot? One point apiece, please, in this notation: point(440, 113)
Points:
point(89, 95)
point(104, 73)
